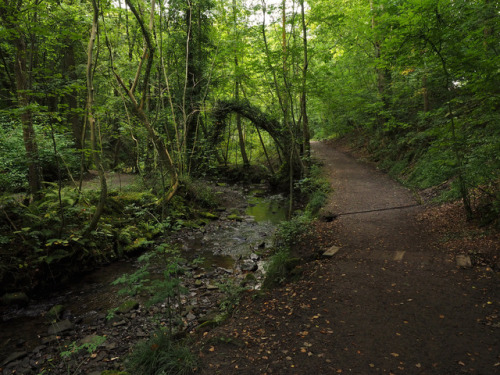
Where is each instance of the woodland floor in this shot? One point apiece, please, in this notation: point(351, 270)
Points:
point(391, 301)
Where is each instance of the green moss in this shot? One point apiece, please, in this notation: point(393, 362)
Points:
point(127, 306)
point(55, 312)
point(208, 215)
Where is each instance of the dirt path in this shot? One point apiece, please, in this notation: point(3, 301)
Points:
point(391, 301)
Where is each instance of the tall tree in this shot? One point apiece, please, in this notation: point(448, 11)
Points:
point(237, 83)
point(303, 97)
point(11, 15)
point(92, 122)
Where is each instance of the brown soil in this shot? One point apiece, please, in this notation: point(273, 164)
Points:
point(391, 301)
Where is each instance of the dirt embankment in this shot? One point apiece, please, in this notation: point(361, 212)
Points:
point(392, 300)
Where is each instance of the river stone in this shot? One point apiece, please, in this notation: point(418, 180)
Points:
point(90, 339)
point(255, 257)
point(127, 306)
point(463, 261)
point(210, 316)
point(48, 339)
point(331, 251)
point(39, 348)
point(17, 298)
point(249, 265)
point(208, 215)
point(55, 312)
point(59, 327)
point(14, 357)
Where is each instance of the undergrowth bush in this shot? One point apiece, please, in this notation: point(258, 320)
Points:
point(13, 161)
point(161, 355)
point(281, 264)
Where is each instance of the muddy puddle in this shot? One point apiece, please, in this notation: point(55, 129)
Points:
point(236, 236)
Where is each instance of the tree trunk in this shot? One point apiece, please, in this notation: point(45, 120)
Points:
point(138, 107)
point(69, 70)
point(9, 18)
point(303, 99)
point(425, 93)
point(91, 121)
point(237, 88)
point(383, 74)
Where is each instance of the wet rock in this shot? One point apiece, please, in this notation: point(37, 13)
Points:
point(140, 333)
point(114, 319)
point(198, 283)
point(49, 339)
point(463, 261)
point(39, 348)
point(208, 215)
point(17, 298)
point(249, 265)
point(209, 317)
point(127, 306)
point(55, 312)
point(90, 339)
point(110, 346)
point(14, 357)
point(59, 327)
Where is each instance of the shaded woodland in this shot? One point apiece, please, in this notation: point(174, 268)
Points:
point(182, 90)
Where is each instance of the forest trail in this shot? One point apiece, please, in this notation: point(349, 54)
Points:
point(390, 301)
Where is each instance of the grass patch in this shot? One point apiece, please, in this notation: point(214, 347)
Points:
point(161, 355)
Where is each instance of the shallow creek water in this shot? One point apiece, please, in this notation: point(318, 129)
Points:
point(221, 244)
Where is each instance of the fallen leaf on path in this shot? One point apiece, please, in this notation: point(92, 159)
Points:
point(395, 354)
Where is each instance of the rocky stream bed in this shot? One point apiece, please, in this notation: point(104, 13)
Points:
point(229, 251)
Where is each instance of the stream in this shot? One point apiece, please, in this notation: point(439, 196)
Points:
point(227, 248)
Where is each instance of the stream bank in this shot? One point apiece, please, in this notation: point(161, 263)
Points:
point(229, 252)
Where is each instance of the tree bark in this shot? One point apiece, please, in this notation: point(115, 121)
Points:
point(69, 70)
point(303, 99)
point(138, 107)
point(91, 121)
point(9, 17)
point(237, 91)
